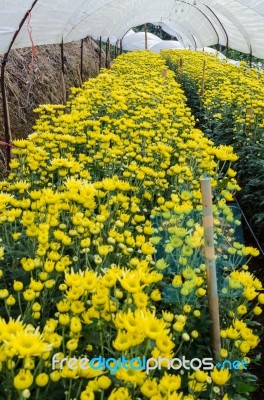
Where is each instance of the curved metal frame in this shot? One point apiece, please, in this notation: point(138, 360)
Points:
point(227, 38)
point(234, 21)
point(208, 19)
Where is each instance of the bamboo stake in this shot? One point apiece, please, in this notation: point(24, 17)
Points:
point(181, 62)
point(210, 264)
point(180, 68)
point(164, 73)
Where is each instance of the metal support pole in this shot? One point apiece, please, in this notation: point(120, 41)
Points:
point(121, 46)
point(210, 264)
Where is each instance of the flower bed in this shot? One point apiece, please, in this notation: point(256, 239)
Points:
point(231, 112)
point(102, 247)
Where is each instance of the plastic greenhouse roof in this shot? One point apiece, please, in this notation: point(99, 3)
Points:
point(238, 24)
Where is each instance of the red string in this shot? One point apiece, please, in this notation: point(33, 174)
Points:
point(33, 48)
point(6, 144)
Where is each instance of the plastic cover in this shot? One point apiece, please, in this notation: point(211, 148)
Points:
point(166, 44)
point(136, 41)
point(238, 24)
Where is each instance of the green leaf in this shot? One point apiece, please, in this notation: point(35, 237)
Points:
point(244, 388)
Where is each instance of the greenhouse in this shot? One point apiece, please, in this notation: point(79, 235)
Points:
point(131, 199)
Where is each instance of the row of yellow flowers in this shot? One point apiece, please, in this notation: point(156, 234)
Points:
point(228, 100)
point(102, 246)
point(225, 84)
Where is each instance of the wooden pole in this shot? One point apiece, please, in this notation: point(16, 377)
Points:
point(63, 74)
point(180, 65)
point(81, 68)
point(210, 264)
point(106, 54)
point(250, 57)
point(107, 58)
point(100, 53)
point(8, 137)
point(146, 37)
point(116, 49)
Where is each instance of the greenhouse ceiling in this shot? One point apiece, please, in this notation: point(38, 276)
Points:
point(237, 24)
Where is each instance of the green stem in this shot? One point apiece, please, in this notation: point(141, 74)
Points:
point(79, 389)
point(19, 304)
point(69, 391)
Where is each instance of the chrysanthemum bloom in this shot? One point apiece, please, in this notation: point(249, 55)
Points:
point(164, 343)
point(42, 379)
point(28, 344)
point(169, 383)
point(220, 377)
point(131, 375)
point(23, 380)
point(131, 282)
point(104, 382)
point(242, 309)
point(200, 376)
point(149, 388)
point(87, 394)
point(123, 341)
point(121, 393)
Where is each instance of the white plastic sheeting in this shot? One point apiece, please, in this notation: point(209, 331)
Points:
point(213, 51)
point(166, 44)
point(136, 41)
point(113, 39)
point(196, 23)
point(234, 62)
point(219, 55)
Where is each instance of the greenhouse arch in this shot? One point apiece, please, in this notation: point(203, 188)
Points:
point(238, 24)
